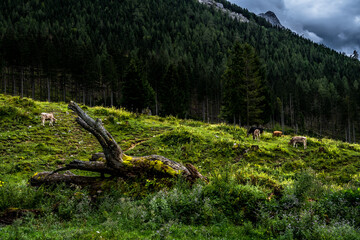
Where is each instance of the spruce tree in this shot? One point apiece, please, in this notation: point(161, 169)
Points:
point(137, 92)
point(174, 91)
point(243, 86)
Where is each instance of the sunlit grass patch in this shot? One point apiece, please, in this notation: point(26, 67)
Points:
point(117, 114)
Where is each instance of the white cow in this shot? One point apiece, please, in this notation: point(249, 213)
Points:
point(48, 116)
point(298, 139)
point(256, 134)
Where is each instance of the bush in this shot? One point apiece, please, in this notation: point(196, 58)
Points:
point(250, 176)
point(237, 132)
point(336, 231)
point(237, 202)
point(182, 204)
point(307, 186)
point(19, 196)
point(119, 114)
point(23, 102)
point(313, 142)
point(342, 205)
point(180, 136)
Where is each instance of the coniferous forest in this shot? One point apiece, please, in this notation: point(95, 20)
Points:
point(176, 58)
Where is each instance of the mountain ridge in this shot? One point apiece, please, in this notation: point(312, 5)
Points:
point(220, 7)
point(272, 18)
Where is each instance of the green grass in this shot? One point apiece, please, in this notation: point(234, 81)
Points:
point(274, 192)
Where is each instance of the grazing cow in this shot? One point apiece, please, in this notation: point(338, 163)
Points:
point(277, 133)
point(252, 129)
point(48, 116)
point(298, 139)
point(146, 111)
point(256, 134)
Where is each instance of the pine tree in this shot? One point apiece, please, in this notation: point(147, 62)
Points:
point(174, 91)
point(137, 92)
point(243, 86)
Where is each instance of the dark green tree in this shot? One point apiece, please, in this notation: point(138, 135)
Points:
point(174, 91)
point(137, 92)
point(243, 86)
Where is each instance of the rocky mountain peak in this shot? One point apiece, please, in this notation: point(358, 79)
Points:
point(271, 18)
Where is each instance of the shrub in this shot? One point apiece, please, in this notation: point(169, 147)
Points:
point(184, 205)
point(120, 114)
point(307, 186)
point(237, 202)
point(19, 196)
point(335, 231)
point(180, 136)
point(193, 123)
point(250, 176)
point(6, 111)
point(313, 142)
point(342, 205)
point(293, 165)
point(237, 132)
point(23, 102)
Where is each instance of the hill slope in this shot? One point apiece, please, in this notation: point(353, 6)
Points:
point(253, 193)
point(28, 146)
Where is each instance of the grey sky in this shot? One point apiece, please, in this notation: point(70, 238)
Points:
point(334, 23)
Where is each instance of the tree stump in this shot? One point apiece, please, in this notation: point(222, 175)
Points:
point(322, 149)
point(254, 147)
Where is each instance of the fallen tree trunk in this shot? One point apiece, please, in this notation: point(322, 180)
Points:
point(56, 178)
point(116, 164)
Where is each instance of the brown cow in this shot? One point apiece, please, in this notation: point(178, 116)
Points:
point(48, 116)
point(252, 129)
point(298, 139)
point(277, 133)
point(256, 134)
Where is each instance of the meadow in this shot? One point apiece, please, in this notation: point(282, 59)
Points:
point(274, 191)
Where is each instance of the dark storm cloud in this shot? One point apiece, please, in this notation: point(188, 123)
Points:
point(334, 23)
point(260, 6)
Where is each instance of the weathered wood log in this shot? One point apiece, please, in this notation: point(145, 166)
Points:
point(49, 178)
point(116, 164)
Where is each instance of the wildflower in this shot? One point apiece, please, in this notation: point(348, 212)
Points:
point(1, 183)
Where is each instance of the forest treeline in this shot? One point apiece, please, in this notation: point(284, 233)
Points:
point(171, 57)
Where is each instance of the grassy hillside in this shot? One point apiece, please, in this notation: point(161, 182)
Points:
point(275, 192)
